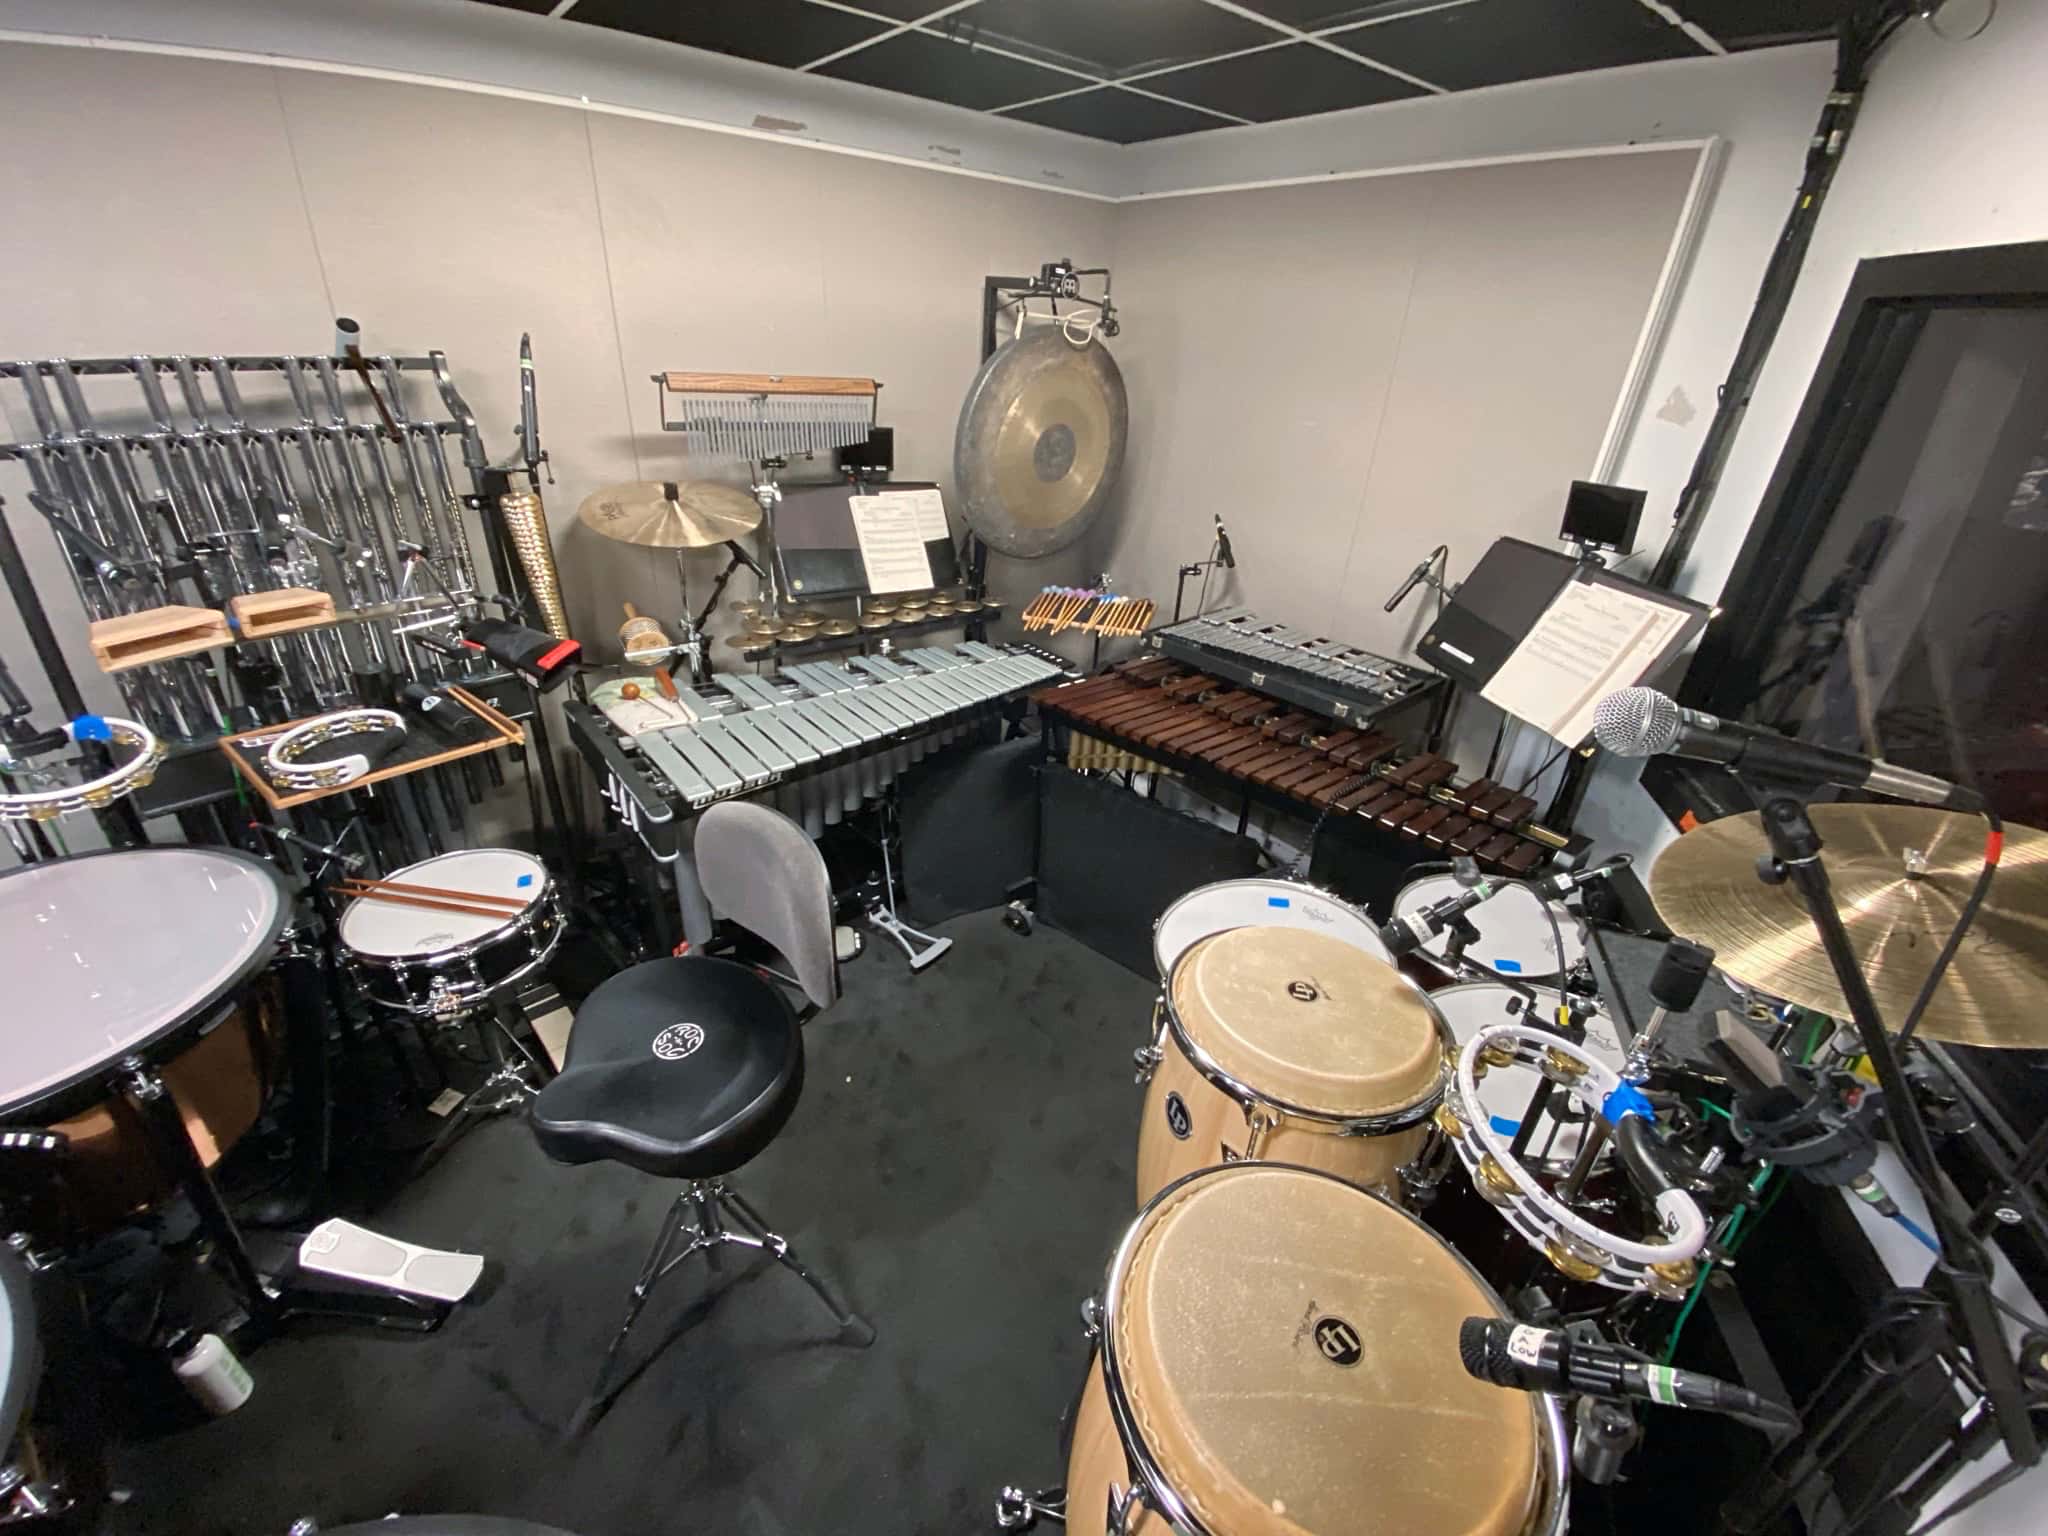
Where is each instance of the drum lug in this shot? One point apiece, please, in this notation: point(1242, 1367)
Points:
point(1017, 1510)
point(1091, 1317)
point(1125, 1506)
point(1146, 1058)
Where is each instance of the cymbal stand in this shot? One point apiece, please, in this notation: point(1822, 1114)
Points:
point(1962, 1269)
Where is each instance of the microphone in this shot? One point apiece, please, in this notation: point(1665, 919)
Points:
point(1535, 1359)
point(1223, 551)
point(1406, 934)
point(1415, 577)
point(1641, 722)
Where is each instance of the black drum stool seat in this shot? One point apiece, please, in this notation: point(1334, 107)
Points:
point(687, 1068)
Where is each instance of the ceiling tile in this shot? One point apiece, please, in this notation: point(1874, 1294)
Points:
point(1111, 36)
point(1290, 81)
point(1491, 42)
point(1122, 116)
point(1309, 15)
point(923, 64)
point(786, 32)
point(1758, 23)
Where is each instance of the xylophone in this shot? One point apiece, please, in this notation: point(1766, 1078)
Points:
point(1159, 715)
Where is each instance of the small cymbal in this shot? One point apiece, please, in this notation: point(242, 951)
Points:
point(838, 627)
point(911, 616)
point(880, 605)
point(804, 616)
point(1900, 875)
point(765, 629)
point(967, 605)
point(873, 620)
point(747, 609)
point(671, 514)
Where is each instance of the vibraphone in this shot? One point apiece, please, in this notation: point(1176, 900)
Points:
point(1162, 715)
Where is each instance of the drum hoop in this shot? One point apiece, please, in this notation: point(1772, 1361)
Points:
point(518, 922)
point(1159, 922)
point(25, 1369)
point(259, 958)
point(1533, 978)
point(550, 902)
point(1553, 1448)
point(1383, 1124)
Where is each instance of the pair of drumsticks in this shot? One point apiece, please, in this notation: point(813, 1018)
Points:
point(432, 898)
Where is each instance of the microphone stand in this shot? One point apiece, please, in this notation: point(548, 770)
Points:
point(1962, 1270)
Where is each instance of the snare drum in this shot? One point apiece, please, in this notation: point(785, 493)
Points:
point(1505, 1092)
point(426, 961)
point(1258, 903)
point(1279, 1357)
point(1514, 935)
point(1293, 1046)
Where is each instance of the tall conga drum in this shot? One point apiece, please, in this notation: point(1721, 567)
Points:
point(1279, 1357)
point(1295, 1047)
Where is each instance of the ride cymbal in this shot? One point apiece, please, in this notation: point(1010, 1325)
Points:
point(671, 514)
point(1901, 874)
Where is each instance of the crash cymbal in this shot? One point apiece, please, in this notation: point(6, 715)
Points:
point(1040, 443)
point(1900, 874)
point(838, 628)
point(872, 620)
point(671, 514)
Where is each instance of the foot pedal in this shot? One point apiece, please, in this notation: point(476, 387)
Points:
point(343, 1249)
point(922, 948)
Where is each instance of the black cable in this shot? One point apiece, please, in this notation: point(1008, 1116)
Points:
point(1548, 763)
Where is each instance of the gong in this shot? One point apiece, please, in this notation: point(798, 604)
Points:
point(1040, 443)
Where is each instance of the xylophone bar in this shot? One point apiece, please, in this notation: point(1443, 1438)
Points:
point(1157, 711)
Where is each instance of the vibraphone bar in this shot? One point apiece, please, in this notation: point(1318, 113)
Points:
point(1163, 715)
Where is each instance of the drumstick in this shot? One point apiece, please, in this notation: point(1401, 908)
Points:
point(497, 906)
point(394, 898)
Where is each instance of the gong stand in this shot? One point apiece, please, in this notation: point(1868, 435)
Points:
point(1056, 280)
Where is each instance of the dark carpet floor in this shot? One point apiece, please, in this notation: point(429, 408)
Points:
point(959, 1167)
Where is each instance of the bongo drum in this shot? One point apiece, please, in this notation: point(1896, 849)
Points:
point(1293, 1046)
point(1279, 1357)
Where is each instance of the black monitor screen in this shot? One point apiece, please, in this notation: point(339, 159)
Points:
point(1602, 515)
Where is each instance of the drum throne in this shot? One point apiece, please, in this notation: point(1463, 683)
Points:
point(687, 1068)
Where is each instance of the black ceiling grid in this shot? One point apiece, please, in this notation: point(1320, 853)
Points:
point(1131, 71)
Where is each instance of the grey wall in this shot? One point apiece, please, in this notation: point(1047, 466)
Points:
point(1351, 372)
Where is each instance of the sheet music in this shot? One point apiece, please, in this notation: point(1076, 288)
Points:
point(891, 542)
point(931, 513)
point(1592, 639)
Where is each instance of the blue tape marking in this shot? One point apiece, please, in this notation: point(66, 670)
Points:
point(1510, 967)
point(1626, 1100)
point(91, 728)
point(524, 880)
point(1503, 1126)
point(1279, 901)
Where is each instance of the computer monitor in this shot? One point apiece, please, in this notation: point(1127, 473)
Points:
point(1602, 516)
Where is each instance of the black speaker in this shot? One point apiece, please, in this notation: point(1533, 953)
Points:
point(1109, 862)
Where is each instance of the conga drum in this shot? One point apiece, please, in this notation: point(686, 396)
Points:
point(1292, 1046)
point(1279, 1357)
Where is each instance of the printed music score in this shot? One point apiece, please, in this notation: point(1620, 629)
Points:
point(1591, 640)
point(891, 528)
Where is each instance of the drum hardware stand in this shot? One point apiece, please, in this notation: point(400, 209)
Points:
point(1963, 1271)
point(267, 1304)
point(700, 1215)
point(506, 1088)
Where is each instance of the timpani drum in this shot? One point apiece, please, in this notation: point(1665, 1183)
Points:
point(1505, 1092)
point(1279, 1357)
point(1261, 903)
point(1515, 937)
point(1292, 1046)
point(158, 955)
point(422, 959)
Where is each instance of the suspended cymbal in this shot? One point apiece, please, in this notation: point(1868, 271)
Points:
point(671, 514)
point(1040, 443)
point(1706, 888)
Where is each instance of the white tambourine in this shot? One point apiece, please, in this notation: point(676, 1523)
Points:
point(1574, 1245)
point(330, 773)
point(136, 773)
